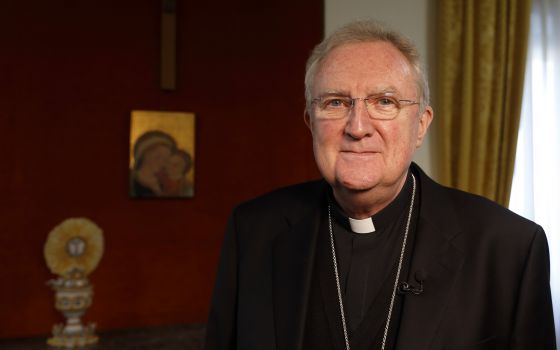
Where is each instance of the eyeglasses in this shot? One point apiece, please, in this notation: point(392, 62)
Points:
point(381, 106)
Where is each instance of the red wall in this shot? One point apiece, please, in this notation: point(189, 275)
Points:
point(71, 72)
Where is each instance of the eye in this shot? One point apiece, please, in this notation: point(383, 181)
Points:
point(387, 101)
point(384, 102)
point(334, 103)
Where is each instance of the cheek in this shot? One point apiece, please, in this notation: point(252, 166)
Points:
point(389, 136)
point(326, 134)
point(402, 139)
point(326, 141)
point(325, 144)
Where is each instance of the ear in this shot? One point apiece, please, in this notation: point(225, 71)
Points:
point(307, 119)
point(424, 124)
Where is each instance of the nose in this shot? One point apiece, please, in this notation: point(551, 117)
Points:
point(359, 124)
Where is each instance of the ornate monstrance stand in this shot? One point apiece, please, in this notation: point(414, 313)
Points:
point(72, 251)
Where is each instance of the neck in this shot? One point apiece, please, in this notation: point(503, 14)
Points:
point(366, 203)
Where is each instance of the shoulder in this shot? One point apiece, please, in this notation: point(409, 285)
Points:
point(490, 230)
point(285, 199)
point(257, 221)
point(479, 213)
point(284, 204)
point(479, 218)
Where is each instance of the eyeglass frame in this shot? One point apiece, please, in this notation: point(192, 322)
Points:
point(399, 103)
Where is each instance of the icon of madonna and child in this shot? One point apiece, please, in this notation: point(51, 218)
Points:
point(160, 168)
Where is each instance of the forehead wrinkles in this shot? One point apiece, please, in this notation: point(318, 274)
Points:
point(374, 66)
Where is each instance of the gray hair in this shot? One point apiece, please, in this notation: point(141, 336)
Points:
point(367, 31)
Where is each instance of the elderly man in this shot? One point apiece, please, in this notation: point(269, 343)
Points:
point(377, 255)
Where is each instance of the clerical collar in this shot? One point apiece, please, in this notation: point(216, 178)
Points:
point(361, 225)
point(380, 220)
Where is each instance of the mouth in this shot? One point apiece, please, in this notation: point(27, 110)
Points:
point(358, 154)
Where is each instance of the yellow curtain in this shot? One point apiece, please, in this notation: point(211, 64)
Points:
point(482, 47)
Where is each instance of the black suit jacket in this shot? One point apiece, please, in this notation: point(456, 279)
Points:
point(486, 286)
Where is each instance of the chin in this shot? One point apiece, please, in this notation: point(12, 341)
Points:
point(353, 178)
point(357, 184)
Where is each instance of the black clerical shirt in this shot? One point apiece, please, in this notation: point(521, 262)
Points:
point(367, 266)
point(366, 261)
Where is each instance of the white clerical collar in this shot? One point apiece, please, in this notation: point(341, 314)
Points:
point(361, 225)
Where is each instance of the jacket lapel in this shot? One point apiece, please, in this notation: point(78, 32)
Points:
point(293, 257)
point(438, 253)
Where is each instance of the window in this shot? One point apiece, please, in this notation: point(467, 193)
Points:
point(536, 182)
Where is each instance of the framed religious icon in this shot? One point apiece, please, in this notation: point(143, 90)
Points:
point(162, 154)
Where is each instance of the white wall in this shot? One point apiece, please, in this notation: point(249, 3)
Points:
point(414, 19)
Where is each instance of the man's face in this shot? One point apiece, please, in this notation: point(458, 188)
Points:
point(358, 153)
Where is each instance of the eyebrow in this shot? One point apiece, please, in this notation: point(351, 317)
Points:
point(389, 90)
point(334, 93)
